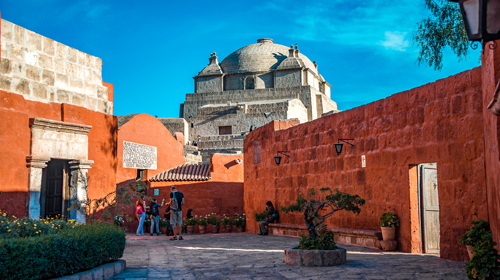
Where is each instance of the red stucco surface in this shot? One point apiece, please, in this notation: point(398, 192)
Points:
point(223, 194)
point(441, 122)
point(15, 136)
point(147, 130)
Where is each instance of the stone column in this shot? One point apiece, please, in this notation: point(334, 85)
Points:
point(35, 166)
point(78, 188)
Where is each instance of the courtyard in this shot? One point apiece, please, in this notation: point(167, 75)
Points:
point(250, 256)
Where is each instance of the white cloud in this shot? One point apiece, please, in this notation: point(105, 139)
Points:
point(395, 41)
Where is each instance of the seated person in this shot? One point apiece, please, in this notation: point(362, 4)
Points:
point(272, 216)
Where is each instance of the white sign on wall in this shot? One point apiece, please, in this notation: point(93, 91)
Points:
point(363, 161)
point(139, 156)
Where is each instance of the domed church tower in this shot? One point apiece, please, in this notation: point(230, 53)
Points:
point(252, 86)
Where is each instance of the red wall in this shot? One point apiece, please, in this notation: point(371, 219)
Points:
point(440, 122)
point(223, 194)
point(15, 137)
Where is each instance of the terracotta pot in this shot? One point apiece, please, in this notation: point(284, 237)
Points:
point(229, 228)
point(163, 230)
point(239, 229)
point(190, 229)
point(202, 229)
point(470, 251)
point(215, 229)
point(388, 233)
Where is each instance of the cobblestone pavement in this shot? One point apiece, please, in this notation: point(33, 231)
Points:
point(250, 256)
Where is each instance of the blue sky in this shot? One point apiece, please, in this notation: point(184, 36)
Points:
point(152, 49)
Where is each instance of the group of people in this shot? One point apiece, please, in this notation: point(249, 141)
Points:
point(173, 214)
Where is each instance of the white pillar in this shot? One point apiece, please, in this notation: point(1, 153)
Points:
point(35, 166)
point(78, 188)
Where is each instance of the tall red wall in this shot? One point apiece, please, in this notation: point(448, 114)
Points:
point(15, 137)
point(440, 122)
point(491, 75)
point(222, 194)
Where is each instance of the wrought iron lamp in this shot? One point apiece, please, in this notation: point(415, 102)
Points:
point(339, 145)
point(277, 158)
point(482, 21)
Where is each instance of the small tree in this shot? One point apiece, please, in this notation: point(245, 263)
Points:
point(316, 211)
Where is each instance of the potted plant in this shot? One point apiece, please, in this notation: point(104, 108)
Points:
point(227, 222)
point(239, 222)
point(388, 223)
point(474, 235)
point(215, 222)
point(260, 216)
point(164, 226)
point(320, 249)
point(485, 261)
point(202, 224)
point(190, 223)
point(147, 222)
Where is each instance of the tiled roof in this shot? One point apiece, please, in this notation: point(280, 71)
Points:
point(185, 172)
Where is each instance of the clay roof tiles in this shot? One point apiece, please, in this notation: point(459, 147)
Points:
point(185, 172)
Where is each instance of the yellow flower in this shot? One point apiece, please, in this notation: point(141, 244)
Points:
point(9, 230)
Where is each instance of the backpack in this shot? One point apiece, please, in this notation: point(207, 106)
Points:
point(139, 210)
point(174, 204)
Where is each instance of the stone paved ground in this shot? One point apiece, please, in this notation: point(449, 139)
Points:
point(250, 256)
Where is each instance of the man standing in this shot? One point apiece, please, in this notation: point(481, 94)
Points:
point(155, 215)
point(176, 201)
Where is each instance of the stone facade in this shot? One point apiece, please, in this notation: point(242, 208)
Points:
point(41, 69)
point(252, 86)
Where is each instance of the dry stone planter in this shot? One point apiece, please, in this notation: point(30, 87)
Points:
point(297, 257)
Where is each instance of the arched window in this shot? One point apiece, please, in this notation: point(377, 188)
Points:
point(320, 86)
point(249, 82)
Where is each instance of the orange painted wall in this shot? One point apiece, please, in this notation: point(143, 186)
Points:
point(440, 122)
point(147, 130)
point(15, 137)
point(223, 194)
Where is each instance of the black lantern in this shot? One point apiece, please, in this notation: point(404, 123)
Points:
point(277, 158)
point(338, 146)
point(481, 19)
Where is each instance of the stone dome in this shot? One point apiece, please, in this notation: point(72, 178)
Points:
point(262, 56)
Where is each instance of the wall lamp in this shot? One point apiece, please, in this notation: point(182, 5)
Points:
point(338, 146)
point(277, 158)
point(482, 20)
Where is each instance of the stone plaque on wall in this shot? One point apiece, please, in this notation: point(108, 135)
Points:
point(139, 156)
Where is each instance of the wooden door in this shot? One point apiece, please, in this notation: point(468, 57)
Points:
point(430, 208)
point(54, 203)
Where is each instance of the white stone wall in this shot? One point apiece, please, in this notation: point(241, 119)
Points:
point(297, 110)
point(233, 82)
point(264, 81)
point(208, 84)
point(288, 79)
point(44, 70)
point(328, 91)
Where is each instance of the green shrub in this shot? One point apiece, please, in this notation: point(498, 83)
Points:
point(226, 220)
point(203, 221)
point(260, 216)
point(213, 220)
point(191, 222)
point(240, 220)
point(324, 241)
point(68, 251)
point(164, 223)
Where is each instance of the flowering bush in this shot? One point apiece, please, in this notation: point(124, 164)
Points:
point(164, 224)
point(203, 221)
point(118, 221)
point(213, 220)
point(324, 241)
point(226, 220)
point(240, 220)
point(191, 221)
point(389, 219)
point(12, 227)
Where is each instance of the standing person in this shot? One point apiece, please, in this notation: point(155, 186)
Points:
point(141, 215)
point(176, 201)
point(272, 216)
point(155, 215)
point(167, 217)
